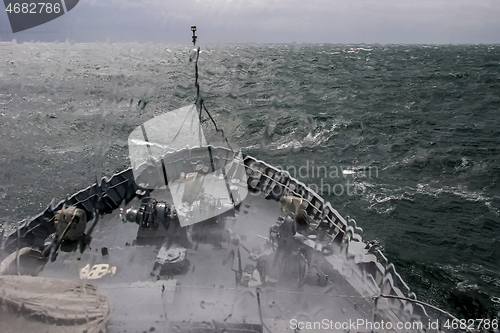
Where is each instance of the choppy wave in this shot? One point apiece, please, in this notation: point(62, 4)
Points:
point(426, 117)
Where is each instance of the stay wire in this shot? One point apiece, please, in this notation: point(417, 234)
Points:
point(200, 103)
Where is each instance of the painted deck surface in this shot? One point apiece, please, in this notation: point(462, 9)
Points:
point(208, 291)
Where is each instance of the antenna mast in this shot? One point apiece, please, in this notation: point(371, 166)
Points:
point(193, 29)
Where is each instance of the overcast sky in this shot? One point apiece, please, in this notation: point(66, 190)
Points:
point(271, 21)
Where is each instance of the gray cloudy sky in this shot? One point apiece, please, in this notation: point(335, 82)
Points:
point(271, 21)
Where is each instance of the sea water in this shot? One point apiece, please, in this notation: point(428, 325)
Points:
point(405, 139)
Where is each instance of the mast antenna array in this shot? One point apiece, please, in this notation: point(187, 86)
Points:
point(193, 29)
point(200, 104)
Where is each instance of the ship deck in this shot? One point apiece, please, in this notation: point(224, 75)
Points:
point(206, 295)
